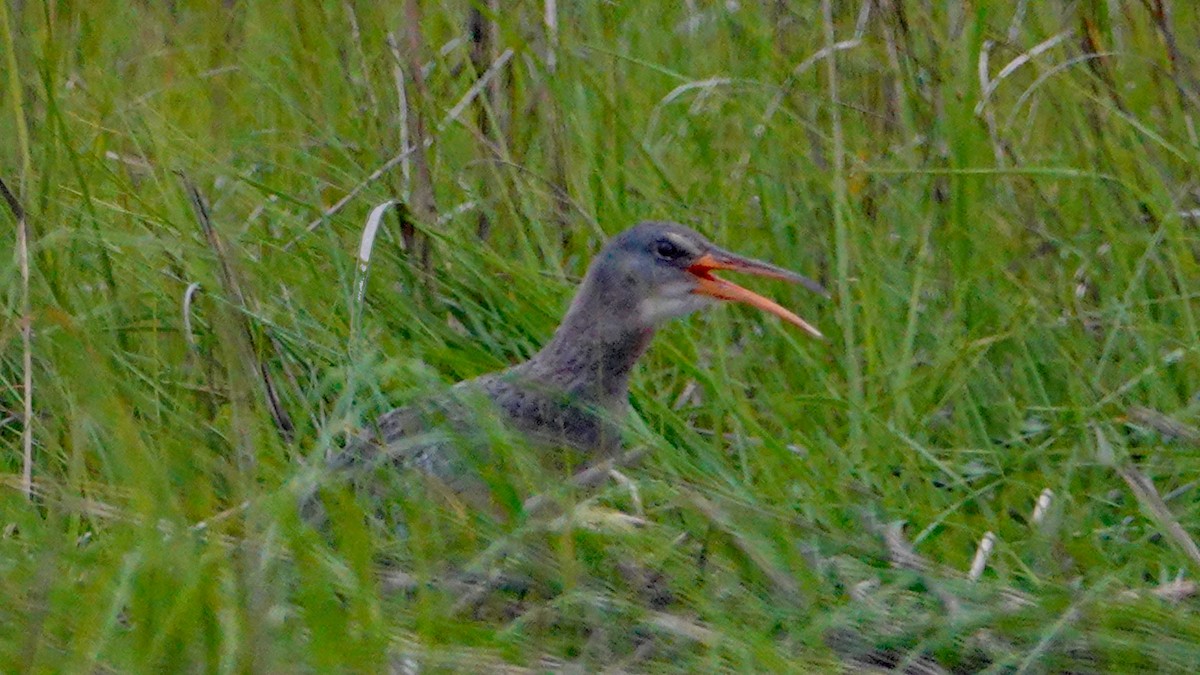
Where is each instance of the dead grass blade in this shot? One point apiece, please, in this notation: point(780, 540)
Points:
point(367, 244)
point(987, 86)
point(901, 551)
point(401, 122)
point(421, 201)
point(89, 507)
point(1165, 424)
point(1147, 496)
point(375, 175)
point(483, 40)
point(540, 504)
point(1172, 592)
point(1175, 591)
point(679, 626)
point(1182, 73)
point(189, 297)
point(979, 563)
point(905, 557)
point(411, 654)
point(97, 510)
point(26, 340)
point(1042, 507)
point(233, 288)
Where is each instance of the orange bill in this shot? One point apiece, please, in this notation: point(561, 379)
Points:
point(716, 287)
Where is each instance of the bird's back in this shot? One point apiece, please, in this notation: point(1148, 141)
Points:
point(452, 437)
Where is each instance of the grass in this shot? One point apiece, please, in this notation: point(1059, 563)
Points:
point(1014, 310)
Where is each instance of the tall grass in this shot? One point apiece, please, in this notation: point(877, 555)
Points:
point(1003, 196)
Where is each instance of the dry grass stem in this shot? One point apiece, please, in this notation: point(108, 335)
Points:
point(233, 287)
point(538, 505)
point(480, 85)
point(189, 296)
point(402, 114)
point(18, 213)
point(367, 244)
point(979, 563)
point(1166, 425)
point(988, 86)
point(1147, 495)
point(550, 19)
point(631, 487)
point(1044, 500)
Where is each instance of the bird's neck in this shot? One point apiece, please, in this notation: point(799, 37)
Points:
point(594, 349)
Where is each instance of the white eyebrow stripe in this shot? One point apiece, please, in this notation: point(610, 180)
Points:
point(682, 242)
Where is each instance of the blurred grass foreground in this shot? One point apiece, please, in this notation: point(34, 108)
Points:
point(991, 464)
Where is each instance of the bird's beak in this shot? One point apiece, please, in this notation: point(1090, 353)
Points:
point(714, 287)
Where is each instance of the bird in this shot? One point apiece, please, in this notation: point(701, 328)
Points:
point(572, 395)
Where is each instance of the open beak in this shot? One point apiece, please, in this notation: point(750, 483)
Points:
point(715, 287)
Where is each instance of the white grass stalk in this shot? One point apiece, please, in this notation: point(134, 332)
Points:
point(1069, 63)
point(987, 87)
point(981, 556)
point(365, 246)
point(704, 85)
point(472, 93)
point(550, 11)
point(402, 115)
point(1014, 27)
point(1042, 506)
point(189, 296)
point(356, 38)
point(800, 69)
point(632, 487)
point(864, 17)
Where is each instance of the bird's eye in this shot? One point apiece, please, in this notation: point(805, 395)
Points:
point(667, 249)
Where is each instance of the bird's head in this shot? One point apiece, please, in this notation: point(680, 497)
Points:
point(661, 270)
